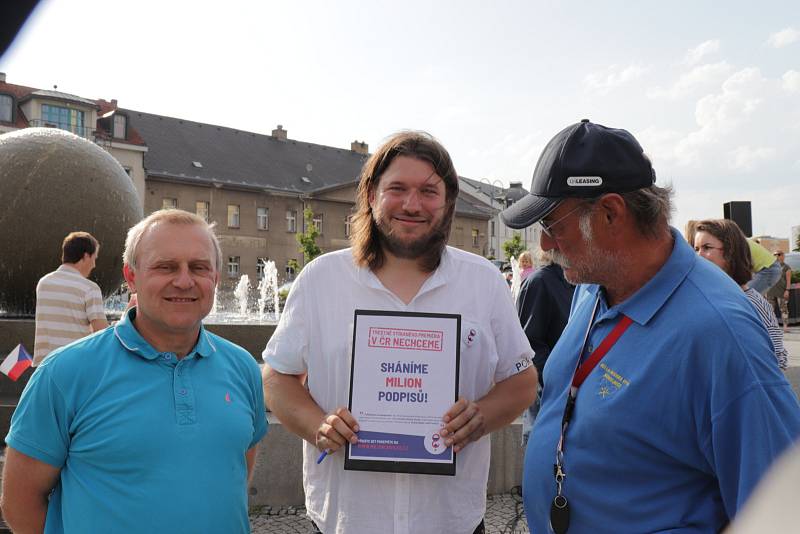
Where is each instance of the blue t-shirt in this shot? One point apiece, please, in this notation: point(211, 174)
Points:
point(145, 442)
point(677, 423)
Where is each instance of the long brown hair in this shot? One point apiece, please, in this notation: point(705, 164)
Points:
point(365, 239)
point(735, 249)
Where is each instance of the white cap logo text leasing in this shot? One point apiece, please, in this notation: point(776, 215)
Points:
point(584, 181)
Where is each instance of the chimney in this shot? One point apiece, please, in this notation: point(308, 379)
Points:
point(114, 103)
point(515, 185)
point(359, 147)
point(2, 77)
point(279, 133)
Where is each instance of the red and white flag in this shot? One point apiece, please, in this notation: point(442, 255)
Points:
point(16, 362)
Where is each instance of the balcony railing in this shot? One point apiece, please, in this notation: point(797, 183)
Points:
point(84, 131)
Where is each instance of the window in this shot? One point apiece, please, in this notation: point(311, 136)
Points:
point(289, 270)
point(262, 218)
point(475, 237)
point(291, 221)
point(201, 209)
point(169, 203)
point(233, 266)
point(491, 228)
point(233, 216)
point(63, 118)
point(317, 222)
point(128, 171)
point(348, 223)
point(120, 126)
point(260, 265)
point(6, 108)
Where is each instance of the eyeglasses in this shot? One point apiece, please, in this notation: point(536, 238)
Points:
point(548, 228)
point(706, 248)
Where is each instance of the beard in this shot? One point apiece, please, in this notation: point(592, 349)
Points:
point(427, 247)
point(597, 265)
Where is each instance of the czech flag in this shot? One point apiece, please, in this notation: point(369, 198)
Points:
point(16, 362)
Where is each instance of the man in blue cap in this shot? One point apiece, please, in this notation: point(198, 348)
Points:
point(662, 405)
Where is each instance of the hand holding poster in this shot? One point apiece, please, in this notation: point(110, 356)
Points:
point(404, 377)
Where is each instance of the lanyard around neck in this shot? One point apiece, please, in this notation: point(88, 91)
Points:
point(582, 370)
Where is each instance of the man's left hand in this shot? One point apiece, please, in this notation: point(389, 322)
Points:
point(464, 423)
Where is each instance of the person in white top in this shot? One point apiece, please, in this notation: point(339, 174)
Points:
point(399, 261)
point(68, 306)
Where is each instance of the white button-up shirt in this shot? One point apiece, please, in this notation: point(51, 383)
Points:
point(315, 335)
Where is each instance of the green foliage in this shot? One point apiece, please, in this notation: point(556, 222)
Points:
point(308, 239)
point(293, 265)
point(282, 295)
point(797, 243)
point(514, 246)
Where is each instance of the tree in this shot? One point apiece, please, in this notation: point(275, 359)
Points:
point(308, 239)
point(797, 243)
point(514, 246)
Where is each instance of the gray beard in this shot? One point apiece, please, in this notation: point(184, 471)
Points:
point(603, 262)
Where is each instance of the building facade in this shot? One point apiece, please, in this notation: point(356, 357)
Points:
point(254, 187)
point(499, 198)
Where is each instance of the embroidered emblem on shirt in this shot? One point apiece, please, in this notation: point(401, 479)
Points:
point(611, 381)
point(228, 397)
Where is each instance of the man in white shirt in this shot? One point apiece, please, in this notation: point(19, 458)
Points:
point(68, 306)
point(399, 261)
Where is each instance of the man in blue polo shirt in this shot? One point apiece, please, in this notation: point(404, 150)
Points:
point(150, 426)
point(662, 404)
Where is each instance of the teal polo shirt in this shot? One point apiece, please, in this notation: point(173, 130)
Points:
point(145, 442)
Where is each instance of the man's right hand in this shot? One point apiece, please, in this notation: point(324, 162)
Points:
point(335, 430)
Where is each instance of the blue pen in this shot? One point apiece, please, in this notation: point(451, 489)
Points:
point(322, 456)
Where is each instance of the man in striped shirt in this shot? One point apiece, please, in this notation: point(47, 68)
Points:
point(68, 306)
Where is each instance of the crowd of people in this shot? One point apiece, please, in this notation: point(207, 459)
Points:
point(647, 365)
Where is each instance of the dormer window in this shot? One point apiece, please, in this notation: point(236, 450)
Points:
point(64, 118)
point(6, 108)
point(120, 126)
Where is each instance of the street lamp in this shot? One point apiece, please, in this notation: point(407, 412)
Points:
point(494, 234)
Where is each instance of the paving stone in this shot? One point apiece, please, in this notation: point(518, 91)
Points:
point(504, 515)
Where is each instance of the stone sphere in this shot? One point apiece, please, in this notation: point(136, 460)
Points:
point(53, 182)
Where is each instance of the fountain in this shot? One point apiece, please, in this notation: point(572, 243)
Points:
point(268, 287)
point(516, 277)
point(53, 182)
point(242, 294)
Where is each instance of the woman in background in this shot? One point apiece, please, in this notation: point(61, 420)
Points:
point(722, 242)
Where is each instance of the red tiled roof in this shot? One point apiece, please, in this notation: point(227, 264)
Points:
point(19, 92)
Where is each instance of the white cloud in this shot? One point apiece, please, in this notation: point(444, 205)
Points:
point(747, 159)
point(785, 37)
point(659, 145)
point(719, 115)
point(613, 77)
point(694, 55)
point(790, 81)
point(700, 77)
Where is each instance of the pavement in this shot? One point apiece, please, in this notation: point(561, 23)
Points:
point(503, 512)
point(504, 515)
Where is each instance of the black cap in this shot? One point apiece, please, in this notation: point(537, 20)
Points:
point(584, 160)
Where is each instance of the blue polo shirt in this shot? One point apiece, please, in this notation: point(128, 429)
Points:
point(145, 442)
point(680, 419)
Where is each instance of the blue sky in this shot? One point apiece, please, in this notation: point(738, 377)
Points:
point(711, 90)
